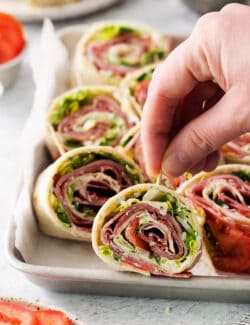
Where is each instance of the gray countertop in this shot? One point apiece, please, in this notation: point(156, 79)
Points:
point(174, 17)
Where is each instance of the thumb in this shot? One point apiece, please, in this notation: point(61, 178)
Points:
point(226, 120)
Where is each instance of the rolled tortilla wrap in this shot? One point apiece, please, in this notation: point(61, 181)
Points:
point(224, 195)
point(110, 50)
point(131, 145)
point(135, 88)
point(87, 116)
point(69, 193)
point(237, 150)
point(147, 229)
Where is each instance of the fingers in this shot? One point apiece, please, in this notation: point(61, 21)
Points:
point(201, 98)
point(207, 164)
point(205, 134)
point(172, 81)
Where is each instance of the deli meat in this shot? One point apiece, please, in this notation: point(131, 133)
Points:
point(226, 201)
point(92, 185)
point(71, 126)
point(239, 146)
point(153, 234)
point(136, 46)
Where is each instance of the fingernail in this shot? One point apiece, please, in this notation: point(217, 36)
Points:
point(176, 163)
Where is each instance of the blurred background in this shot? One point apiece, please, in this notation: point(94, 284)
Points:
point(203, 6)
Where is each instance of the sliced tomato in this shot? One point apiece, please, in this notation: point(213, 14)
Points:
point(141, 91)
point(11, 37)
point(132, 237)
point(11, 313)
point(51, 317)
point(232, 251)
point(136, 266)
point(228, 148)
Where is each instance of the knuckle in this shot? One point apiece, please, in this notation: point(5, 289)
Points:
point(242, 122)
point(201, 141)
point(205, 21)
point(231, 7)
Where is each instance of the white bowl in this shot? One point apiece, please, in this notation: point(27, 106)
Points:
point(9, 70)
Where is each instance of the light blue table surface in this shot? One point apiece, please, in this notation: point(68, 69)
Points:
point(173, 17)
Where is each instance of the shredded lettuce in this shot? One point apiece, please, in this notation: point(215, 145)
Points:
point(152, 56)
point(126, 204)
point(111, 31)
point(146, 75)
point(191, 241)
point(68, 106)
point(243, 174)
point(82, 160)
point(85, 210)
point(59, 210)
point(62, 215)
point(72, 144)
point(126, 141)
point(75, 162)
point(124, 243)
point(106, 251)
point(72, 102)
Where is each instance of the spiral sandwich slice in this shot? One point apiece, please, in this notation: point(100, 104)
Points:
point(147, 229)
point(87, 116)
point(135, 87)
point(108, 51)
point(237, 150)
point(224, 195)
point(131, 145)
point(70, 192)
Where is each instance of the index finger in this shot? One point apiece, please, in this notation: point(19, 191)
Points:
point(172, 80)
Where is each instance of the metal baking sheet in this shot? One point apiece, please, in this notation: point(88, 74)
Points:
point(65, 266)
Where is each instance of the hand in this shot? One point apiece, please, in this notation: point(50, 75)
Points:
point(199, 97)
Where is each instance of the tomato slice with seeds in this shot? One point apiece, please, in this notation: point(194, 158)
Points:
point(14, 314)
point(51, 317)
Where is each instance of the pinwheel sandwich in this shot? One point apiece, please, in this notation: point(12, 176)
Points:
point(237, 150)
point(108, 51)
point(87, 116)
point(69, 193)
point(224, 195)
point(148, 229)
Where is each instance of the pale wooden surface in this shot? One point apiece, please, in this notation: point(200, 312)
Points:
point(174, 17)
